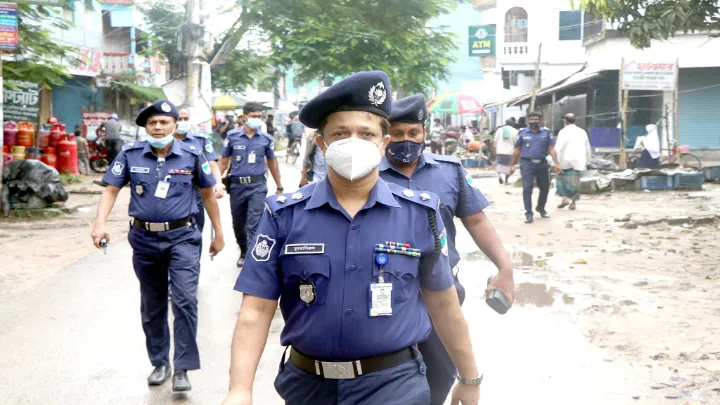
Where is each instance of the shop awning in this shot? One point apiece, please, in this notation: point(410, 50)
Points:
point(510, 101)
point(563, 88)
point(141, 93)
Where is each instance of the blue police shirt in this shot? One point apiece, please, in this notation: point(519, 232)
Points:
point(239, 147)
point(308, 236)
point(199, 143)
point(183, 168)
point(445, 176)
point(535, 145)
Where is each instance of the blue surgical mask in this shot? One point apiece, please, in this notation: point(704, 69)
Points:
point(405, 151)
point(183, 127)
point(159, 143)
point(254, 123)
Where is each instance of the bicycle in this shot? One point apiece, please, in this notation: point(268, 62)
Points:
point(293, 152)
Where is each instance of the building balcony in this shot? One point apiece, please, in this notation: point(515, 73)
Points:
point(118, 64)
point(517, 52)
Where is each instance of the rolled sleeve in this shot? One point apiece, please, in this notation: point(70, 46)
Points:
point(204, 177)
point(475, 200)
point(435, 272)
point(261, 272)
point(227, 149)
point(118, 174)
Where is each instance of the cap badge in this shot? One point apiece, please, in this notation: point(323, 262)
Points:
point(377, 94)
point(421, 115)
point(165, 107)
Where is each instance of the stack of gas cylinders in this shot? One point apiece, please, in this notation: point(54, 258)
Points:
point(55, 147)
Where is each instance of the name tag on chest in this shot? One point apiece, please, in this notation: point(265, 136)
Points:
point(305, 249)
point(134, 169)
point(239, 147)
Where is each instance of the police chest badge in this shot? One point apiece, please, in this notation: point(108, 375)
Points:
point(263, 247)
point(139, 190)
point(118, 169)
point(307, 292)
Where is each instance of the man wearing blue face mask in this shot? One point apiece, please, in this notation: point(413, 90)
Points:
point(165, 240)
point(202, 144)
point(405, 164)
point(251, 151)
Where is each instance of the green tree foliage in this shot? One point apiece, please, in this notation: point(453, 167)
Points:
point(645, 20)
point(164, 19)
point(41, 58)
point(334, 38)
point(243, 68)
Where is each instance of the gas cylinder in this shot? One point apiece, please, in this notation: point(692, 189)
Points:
point(56, 135)
point(44, 136)
point(10, 132)
point(18, 152)
point(25, 134)
point(49, 157)
point(6, 148)
point(67, 155)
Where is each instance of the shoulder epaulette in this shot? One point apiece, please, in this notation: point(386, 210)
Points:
point(276, 202)
point(446, 158)
point(190, 148)
point(134, 145)
point(426, 198)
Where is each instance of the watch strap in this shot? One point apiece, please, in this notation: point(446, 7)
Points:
point(471, 381)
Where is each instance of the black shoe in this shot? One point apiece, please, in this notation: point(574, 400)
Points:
point(159, 375)
point(572, 206)
point(500, 180)
point(241, 261)
point(563, 205)
point(528, 219)
point(181, 383)
point(542, 213)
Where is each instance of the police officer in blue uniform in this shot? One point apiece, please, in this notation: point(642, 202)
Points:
point(347, 257)
point(199, 143)
point(162, 174)
point(405, 164)
point(247, 150)
point(533, 146)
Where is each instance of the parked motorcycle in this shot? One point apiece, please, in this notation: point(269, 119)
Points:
point(98, 156)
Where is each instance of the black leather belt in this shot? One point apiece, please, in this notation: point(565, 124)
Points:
point(536, 161)
point(248, 179)
point(161, 226)
point(350, 369)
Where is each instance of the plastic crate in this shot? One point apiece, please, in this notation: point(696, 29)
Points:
point(470, 163)
point(622, 184)
point(689, 181)
point(712, 173)
point(654, 183)
point(588, 187)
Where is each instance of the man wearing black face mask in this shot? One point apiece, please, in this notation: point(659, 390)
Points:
point(532, 147)
point(405, 164)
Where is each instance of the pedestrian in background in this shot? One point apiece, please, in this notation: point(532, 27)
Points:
point(505, 139)
point(574, 153)
point(113, 141)
point(314, 165)
point(436, 137)
point(533, 146)
point(650, 146)
point(252, 155)
point(163, 235)
point(83, 154)
point(352, 305)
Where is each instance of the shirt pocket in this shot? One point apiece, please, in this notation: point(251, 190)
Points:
point(142, 185)
point(297, 269)
point(402, 272)
point(180, 187)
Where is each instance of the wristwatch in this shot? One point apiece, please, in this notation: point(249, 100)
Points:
point(471, 381)
point(280, 189)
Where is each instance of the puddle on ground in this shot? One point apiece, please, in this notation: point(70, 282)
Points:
point(539, 295)
point(520, 258)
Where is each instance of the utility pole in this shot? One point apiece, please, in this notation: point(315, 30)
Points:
point(622, 107)
point(536, 85)
point(191, 34)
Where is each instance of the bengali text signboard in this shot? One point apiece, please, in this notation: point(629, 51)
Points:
point(22, 101)
point(659, 76)
point(8, 27)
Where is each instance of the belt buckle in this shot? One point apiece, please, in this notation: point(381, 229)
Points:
point(245, 180)
point(157, 227)
point(536, 160)
point(338, 370)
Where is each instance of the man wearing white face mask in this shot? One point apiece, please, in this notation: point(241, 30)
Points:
point(347, 258)
point(165, 240)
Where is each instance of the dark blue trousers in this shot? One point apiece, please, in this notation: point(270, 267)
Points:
point(155, 255)
point(441, 371)
point(539, 172)
point(401, 385)
point(247, 202)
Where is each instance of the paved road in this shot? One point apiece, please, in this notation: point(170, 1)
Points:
point(76, 339)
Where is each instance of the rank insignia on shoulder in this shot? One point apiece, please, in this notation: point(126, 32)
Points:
point(263, 247)
point(408, 193)
point(425, 196)
point(297, 196)
point(281, 199)
point(192, 147)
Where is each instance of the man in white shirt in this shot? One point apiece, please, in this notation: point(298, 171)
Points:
point(574, 153)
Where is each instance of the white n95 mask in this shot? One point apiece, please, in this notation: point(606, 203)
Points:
point(352, 158)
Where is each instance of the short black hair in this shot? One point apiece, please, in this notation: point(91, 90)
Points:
point(437, 119)
point(251, 107)
point(270, 116)
point(534, 114)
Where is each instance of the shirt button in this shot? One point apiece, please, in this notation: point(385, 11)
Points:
point(397, 273)
point(353, 226)
point(353, 268)
point(305, 273)
point(349, 311)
